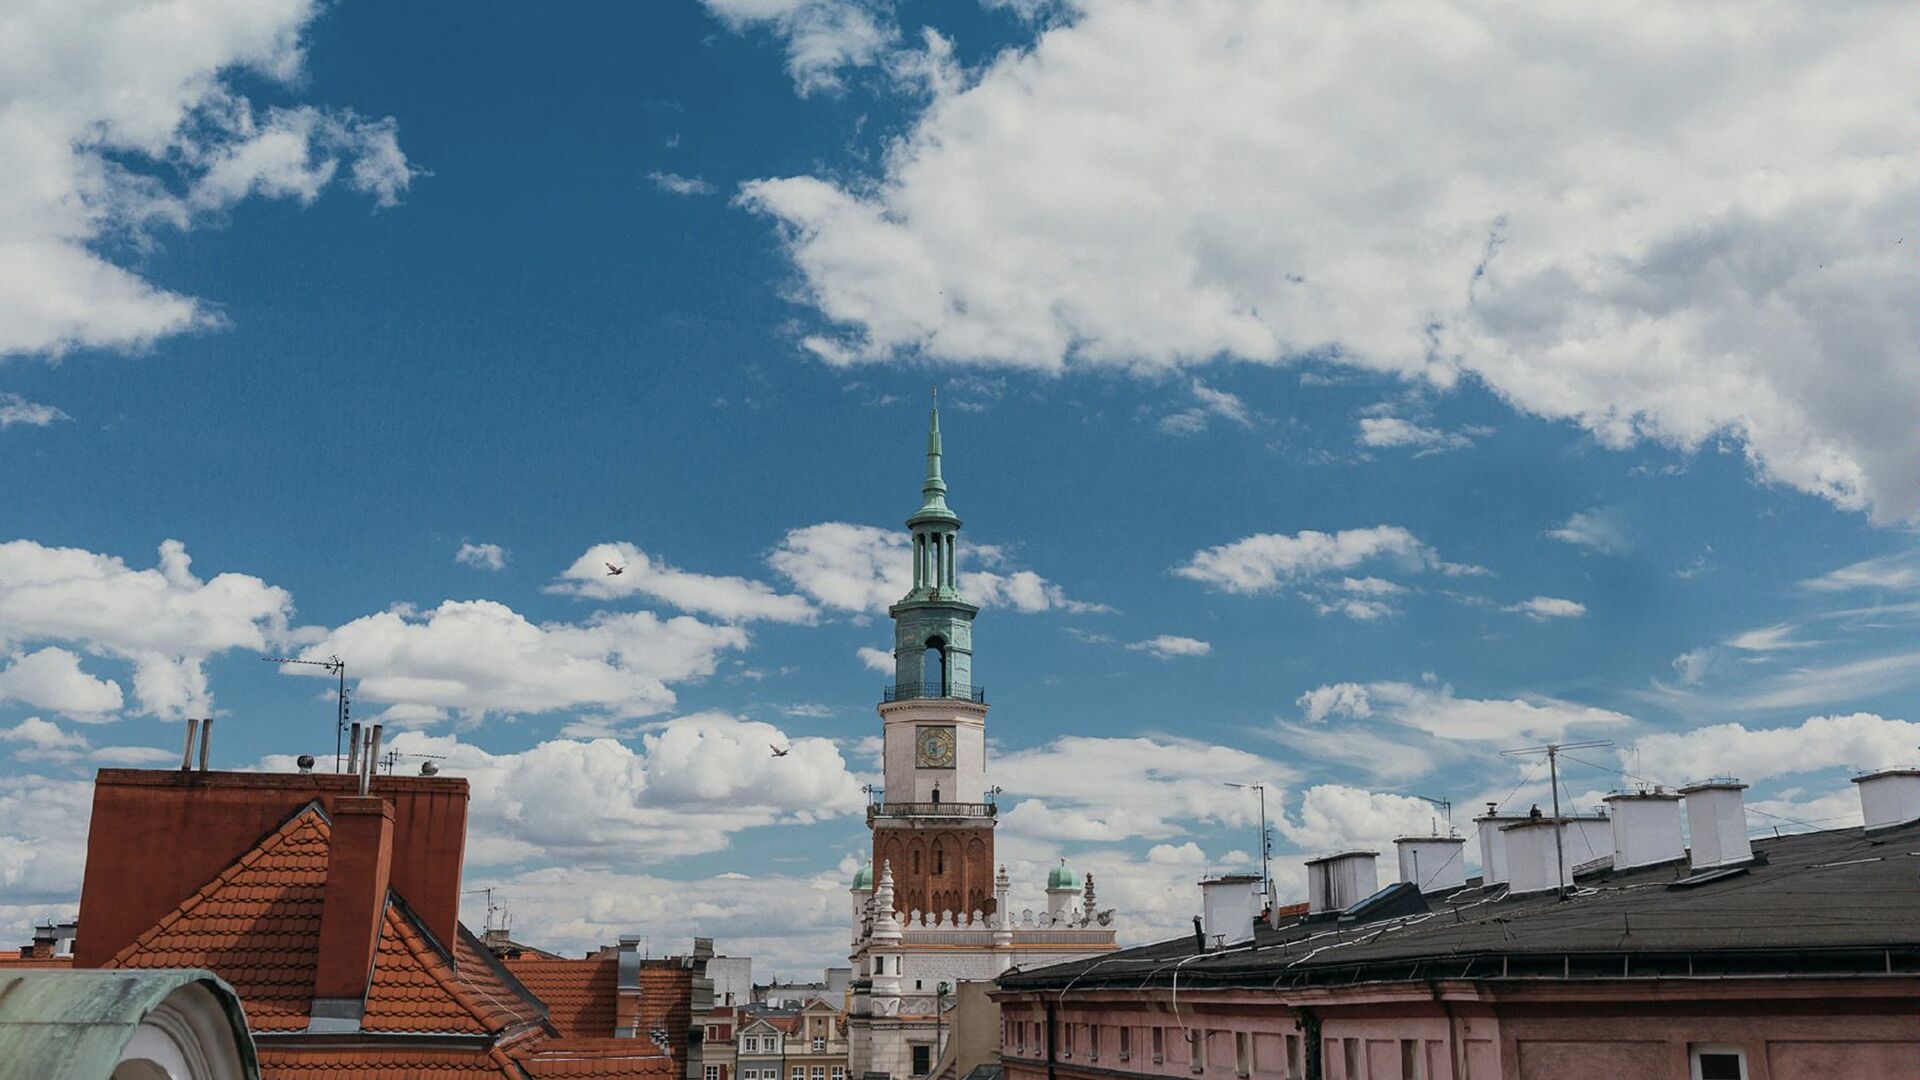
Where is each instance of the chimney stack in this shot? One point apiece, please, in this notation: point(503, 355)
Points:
point(1889, 797)
point(1535, 849)
point(1646, 828)
point(1337, 882)
point(1717, 823)
point(1493, 846)
point(1227, 903)
point(626, 1018)
point(359, 865)
point(1432, 863)
point(186, 753)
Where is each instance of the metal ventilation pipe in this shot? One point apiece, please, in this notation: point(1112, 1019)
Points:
point(370, 758)
point(206, 737)
point(186, 752)
point(353, 748)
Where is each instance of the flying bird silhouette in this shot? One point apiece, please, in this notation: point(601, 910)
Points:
point(615, 571)
point(777, 752)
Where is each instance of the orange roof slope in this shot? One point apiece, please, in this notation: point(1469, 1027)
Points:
point(500, 997)
point(342, 1063)
point(413, 985)
point(581, 996)
point(597, 1059)
point(257, 925)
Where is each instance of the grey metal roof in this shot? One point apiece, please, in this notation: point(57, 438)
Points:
point(1837, 900)
point(66, 1024)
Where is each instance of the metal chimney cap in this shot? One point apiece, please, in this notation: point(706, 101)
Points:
point(428, 768)
point(305, 761)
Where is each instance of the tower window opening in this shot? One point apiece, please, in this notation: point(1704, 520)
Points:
point(933, 668)
point(939, 857)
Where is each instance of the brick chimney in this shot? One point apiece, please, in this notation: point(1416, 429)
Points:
point(359, 864)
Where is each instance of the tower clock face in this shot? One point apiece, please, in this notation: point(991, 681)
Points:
point(933, 748)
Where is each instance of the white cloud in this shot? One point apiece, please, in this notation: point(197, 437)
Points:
point(1692, 666)
point(480, 656)
point(734, 599)
point(1767, 639)
point(43, 740)
point(1435, 710)
point(123, 119)
point(864, 568)
point(1265, 562)
point(1898, 572)
point(1169, 646)
point(675, 184)
point(1208, 404)
point(1387, 755)
point(1684, 259)
point(876, 659)
point(1335, 817)
point(482, 556)
point(1393, 431)
point(1852, 741)
point(51, 679)
point(822, 37)
point(1101, 789)
point(1598, 529)
point(1542, 608)
point(164, 620)
point(15, 409)
point(693, 782)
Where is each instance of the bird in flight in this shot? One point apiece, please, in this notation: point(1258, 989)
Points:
point(778, 752)
point(615, 571)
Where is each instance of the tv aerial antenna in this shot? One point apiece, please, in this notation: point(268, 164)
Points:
point(338, 668)
point(1553, 751)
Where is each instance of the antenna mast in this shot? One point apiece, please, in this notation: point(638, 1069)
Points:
point(339, 668)
point(1552, 750)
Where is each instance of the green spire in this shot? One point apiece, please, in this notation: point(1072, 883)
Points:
point(934, 492)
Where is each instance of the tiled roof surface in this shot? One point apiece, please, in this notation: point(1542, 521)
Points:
point(599, 1059)
point(501, 999)
point(257, 925)
point(666, 1004)
point(344, 1063)
point(581, 995)
point(413, 986)
point(15, 961)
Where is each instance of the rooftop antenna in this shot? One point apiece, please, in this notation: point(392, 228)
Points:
point(392, 757)
point(1266, 840)
point(339, 668)
point(1446, 807)
point(1552, 750)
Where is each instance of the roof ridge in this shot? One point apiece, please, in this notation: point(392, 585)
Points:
point(273, 838)
point(421, 945)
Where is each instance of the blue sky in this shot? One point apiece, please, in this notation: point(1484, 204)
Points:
point(1306, 430)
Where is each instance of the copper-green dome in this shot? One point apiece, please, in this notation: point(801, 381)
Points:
point(863, 878)
point(1063, 877)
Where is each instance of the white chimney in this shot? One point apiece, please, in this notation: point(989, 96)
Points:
point(1226, 904)
point(1336, 882)
point(1717, 823)
point(1889, 797)
point(1646, 828)
point(1493, 849)
point(1433, 863)
point(1533, 858)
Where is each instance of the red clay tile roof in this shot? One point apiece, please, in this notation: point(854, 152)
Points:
point(350, 1063)
point(413, 987)
point(582, 996)
point(15, 960)
point(500, 997)
point(257, 925)
point(666, 1004)
point(598, 1059)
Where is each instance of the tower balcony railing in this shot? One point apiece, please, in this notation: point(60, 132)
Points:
point(931, 809)
point(932, 692)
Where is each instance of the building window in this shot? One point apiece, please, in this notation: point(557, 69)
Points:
point(1126, 1043)
point(1068, 1029)
point(1093, 1042)
point(713, 1072)
point(1350, 1050)
point(1159, 1045)
point(922, 1059)
point(819, 1045)
point(750, 1045)
point(1410, 1060)
point(819, 1072)
point(839, 1072)
point(1296, 1064)
point(799, 1073)
point(1197, 1050)
point(1242, 1055)
point(1718, 1062)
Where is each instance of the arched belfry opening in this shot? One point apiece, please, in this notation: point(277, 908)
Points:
point(934, 680)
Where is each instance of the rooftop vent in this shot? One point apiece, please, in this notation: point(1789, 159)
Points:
point(1889, 797)
point(1336, 882)
point(1717, 823)
point(1646, 828)
point(1537, 859)
point(1432, 863)
point(1227, 904)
